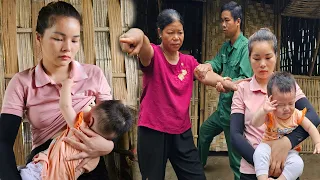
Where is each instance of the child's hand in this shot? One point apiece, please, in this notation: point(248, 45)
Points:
point(269, 105)
point(317, 148)
point(67, 82)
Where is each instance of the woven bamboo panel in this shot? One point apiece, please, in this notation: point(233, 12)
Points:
point(131, 64)
point(303, 8)
point(23, 13)
point(114, 16)
point(88, 31)
point(25, 51)
point(258, 15)
point(35, 8)
point(102, 45)
point(128, 11)
point(311, 88)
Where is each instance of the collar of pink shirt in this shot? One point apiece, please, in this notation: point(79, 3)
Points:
point(77, 73)
point(254, 85)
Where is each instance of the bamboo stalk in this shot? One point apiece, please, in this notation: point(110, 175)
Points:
point(88, 32)
point(315, 54)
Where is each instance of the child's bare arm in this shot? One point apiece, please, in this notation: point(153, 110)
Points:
point(313, 132)
point(66, 102)
point(259, 118)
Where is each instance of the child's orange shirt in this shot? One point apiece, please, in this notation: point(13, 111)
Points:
point(277, 128)
point(55, 165)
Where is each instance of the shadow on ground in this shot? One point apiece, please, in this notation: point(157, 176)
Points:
point(217, 168)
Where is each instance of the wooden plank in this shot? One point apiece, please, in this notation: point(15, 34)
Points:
point(36, 6)
point(88, 32)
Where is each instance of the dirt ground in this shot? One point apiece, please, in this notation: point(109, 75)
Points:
point(218, 168)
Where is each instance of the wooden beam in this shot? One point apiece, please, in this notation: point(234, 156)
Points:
point(35, 8)
point(315, 54)
point(88, 32)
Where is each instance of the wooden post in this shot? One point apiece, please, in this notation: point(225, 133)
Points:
point(35, 8)
point(88, 32)
point(315, 54)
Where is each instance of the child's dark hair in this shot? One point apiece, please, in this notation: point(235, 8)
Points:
point(48, 14)
point(115, 117)
point(167, 17)
point(264, 34)
point(283, 81)
point(235, 10)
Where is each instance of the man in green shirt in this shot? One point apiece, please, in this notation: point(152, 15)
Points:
point(232, 61)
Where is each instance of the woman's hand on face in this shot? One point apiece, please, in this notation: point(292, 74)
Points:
point(92, 145)
point(131, 41)
point(279, 153)
point(201, 70)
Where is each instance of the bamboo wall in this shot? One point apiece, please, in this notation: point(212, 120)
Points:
point(311, 88)
point(103, 22)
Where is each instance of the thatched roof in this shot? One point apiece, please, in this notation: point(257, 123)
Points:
point(303, 8)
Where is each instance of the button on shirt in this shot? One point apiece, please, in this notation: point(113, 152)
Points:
point(32, 91)
point(231, 61)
